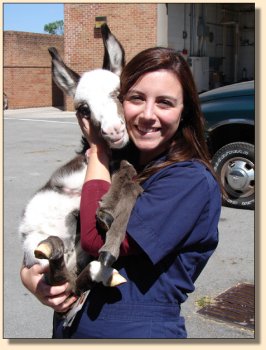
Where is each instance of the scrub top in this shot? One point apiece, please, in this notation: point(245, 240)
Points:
point(175, 223)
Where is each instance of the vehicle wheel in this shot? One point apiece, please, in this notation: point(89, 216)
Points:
point(235, 164)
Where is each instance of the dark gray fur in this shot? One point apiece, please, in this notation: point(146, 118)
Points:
point(115, 208)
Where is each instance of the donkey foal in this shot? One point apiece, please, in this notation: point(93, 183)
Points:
point(48, 228)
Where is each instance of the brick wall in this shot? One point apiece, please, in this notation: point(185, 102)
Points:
point(27, 69)
point(27, 63)
point(134, 25)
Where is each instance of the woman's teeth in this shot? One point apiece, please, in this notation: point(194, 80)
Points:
point(147, 130)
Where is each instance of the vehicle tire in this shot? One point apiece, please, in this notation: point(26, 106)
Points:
point(235, 165)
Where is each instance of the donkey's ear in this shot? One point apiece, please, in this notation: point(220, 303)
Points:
point(64, 77)
point(114, 53)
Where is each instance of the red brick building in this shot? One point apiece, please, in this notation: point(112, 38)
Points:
point(134, 25)
point(27, 63)
point(27, 70)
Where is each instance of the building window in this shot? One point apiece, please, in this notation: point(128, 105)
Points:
point(97, 28)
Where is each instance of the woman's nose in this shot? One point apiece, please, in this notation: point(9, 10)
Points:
point(148, 112)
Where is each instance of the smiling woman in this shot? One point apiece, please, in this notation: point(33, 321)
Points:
point(153, 108)
point(172, 229)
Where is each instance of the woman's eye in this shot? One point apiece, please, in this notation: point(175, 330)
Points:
point(165, 103)
point(135, 98)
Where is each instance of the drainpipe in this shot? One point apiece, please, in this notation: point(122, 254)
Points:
point(236, 50)
point(192, 14)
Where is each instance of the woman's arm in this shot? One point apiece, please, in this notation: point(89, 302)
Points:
point(98, 164)
point(56, 297)
point(97, 183)
point(91, 239)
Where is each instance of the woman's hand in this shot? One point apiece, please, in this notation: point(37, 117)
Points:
point(57, 297)
point(99, 153)
point(90, 132)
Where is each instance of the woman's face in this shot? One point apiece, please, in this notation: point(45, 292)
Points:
point(152, 110)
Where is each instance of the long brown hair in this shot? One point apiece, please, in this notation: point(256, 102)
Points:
point(188, 142)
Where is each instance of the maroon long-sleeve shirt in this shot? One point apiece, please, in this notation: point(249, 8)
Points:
point(91, 239)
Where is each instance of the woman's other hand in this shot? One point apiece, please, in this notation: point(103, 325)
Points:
point(56, 297)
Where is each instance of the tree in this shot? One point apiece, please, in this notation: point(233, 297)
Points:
point(56, 27)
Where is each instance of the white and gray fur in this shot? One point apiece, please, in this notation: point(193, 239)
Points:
point(54, 209)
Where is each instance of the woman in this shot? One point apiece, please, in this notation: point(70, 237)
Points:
point(172, 230)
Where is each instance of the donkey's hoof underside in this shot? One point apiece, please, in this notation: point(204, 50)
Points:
point(115, 279)
point(50, 248)
point(43, 251)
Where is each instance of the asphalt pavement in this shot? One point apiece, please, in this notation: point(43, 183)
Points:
point(36, 142)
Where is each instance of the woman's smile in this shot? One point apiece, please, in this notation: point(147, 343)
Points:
point(146, 130)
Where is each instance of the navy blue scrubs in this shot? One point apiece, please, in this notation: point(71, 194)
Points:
point(175, 224)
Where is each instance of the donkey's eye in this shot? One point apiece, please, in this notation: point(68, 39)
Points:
point(84, 111)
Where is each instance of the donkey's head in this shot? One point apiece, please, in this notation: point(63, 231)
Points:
point(95, 93)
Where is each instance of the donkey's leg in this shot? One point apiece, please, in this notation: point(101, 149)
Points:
point(107, 206)
point(129, 191)
point(109, 252)
point(105, 216)
point(95, 273)
point(109, 202)
point(52, 249)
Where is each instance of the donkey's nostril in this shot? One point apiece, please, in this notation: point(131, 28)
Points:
point(119, 130)
point(114, 130)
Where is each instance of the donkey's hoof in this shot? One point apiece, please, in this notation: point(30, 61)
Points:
point(43, 251)
point(107, 259)
point(51, 248)
point(104, 219)
point(107, 275)
point(115, 279)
